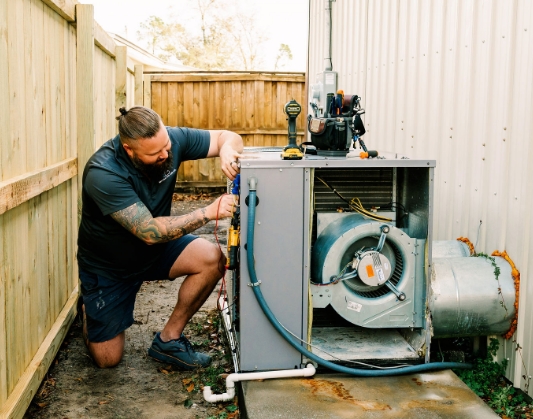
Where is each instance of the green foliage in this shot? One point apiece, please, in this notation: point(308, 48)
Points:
point(497, 272)
point(283, 57)
point(486, 380)
point(159, 36)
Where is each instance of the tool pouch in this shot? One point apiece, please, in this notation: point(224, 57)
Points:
point(328, 133)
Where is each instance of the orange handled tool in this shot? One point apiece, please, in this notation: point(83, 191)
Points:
point(368, 153)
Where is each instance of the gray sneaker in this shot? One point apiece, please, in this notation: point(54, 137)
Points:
point(178, 352)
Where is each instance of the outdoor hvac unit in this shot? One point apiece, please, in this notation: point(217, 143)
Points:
point(353, 287)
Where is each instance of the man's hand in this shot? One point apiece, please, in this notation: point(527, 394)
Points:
point(229, 162)
point(223, 207)
point(227, 145)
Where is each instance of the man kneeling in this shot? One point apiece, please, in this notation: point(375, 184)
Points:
point(127, 235)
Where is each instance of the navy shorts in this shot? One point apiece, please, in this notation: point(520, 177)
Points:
point(109, 303)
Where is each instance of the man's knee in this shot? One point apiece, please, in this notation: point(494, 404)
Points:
point(215, 261)
point(108, 354)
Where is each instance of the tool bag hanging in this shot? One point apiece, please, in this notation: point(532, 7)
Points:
point(328, 133)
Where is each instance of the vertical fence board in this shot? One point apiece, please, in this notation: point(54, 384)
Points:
point(215, 107)
point(85, 85)
point(121, 60)
point(236, 97)
point(164, 100)
point(16, 150)
point(4, 120)
point(227, 121)
point(180, 104)
point(219, 103)
point(147, 90)
point(36, 158)
point(61, 93)
point(156, 97)
point(266, 104)
point(138, 84)
point(172, 119)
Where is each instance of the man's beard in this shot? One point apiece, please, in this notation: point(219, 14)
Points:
point(155, 171)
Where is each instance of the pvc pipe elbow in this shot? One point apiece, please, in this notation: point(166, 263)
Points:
point(231, 379)
point(214, 398)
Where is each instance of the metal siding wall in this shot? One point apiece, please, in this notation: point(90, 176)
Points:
point(450, 80)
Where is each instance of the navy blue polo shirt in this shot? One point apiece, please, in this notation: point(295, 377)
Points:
point(111, 183)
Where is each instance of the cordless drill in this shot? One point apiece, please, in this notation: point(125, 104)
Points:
point(291, 151)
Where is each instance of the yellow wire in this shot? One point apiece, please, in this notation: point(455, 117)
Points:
point(355, 205)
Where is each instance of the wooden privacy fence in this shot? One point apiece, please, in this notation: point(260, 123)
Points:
point(62, 79)
point(251, 104)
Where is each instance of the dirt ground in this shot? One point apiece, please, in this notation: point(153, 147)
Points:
point(140, 387)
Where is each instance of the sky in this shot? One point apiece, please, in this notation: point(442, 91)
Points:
point(284, 21)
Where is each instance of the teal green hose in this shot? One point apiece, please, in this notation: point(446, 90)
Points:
point(296, 345)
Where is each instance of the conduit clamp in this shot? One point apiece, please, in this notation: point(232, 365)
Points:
point(254, 284)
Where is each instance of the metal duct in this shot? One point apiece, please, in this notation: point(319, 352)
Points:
point(466, 298)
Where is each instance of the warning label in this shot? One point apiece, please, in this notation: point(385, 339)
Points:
point(352, 305)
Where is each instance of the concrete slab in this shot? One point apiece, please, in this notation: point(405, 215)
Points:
point(435, 395)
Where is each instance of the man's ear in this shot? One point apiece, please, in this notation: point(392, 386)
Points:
point(128, 149)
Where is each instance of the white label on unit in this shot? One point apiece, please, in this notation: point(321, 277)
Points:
point(352, 305)
point(381, 275)
point(330, 78)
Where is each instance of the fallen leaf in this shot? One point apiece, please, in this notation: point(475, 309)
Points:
point(164, 371)
point(42, 404)
point(190, 388)
point(103, 402)
point(186, 381)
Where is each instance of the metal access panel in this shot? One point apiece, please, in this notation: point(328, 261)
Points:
point(281, 231)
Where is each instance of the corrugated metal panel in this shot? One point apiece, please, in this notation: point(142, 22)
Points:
point(450, 80)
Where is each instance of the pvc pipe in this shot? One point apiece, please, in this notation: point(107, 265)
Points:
point(231, 379)
point(252, 182)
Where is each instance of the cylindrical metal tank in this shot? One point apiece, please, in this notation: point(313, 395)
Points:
point(449, 249)
point(466, 299)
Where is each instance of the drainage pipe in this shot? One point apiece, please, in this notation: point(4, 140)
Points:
point(231, 379)
point(252, 182)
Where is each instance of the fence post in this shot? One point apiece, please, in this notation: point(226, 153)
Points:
point(84, 87)
point(138, 97)
point(121, 74)
point(147, 94)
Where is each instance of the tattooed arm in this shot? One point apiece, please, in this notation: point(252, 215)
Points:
point(139, 221)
